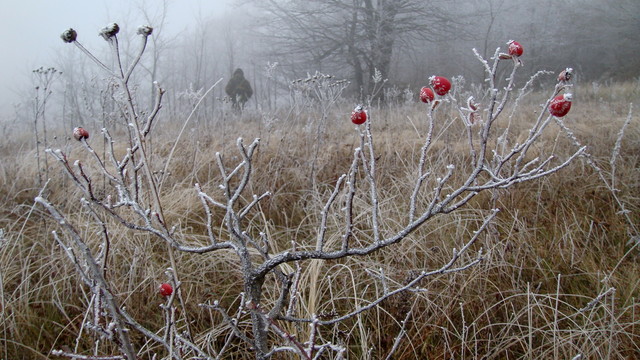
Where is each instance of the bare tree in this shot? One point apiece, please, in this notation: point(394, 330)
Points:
point(361, 33)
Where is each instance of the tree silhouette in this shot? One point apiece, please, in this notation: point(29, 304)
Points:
point(361, 33)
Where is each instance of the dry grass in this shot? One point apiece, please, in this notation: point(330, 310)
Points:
point(558, 244)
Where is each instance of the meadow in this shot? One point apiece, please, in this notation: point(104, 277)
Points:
point(559, 276)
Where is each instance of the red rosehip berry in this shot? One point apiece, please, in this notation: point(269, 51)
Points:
point(440, 84)
point(426, 95)
point(560, 105)
point(358, 116)
point(515, 49)
point(80, 133)
point(165, 290)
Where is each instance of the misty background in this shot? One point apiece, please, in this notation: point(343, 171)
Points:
point(385, 49)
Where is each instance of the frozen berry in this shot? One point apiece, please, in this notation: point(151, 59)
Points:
point(440, 84)
point(80, 133)
point(358, 116)
point(560, 105)
point(515, 49)
point(165, 290)
point(426, 95)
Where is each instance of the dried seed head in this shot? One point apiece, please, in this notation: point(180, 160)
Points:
point(69, 35)
point(145, 30)
point(109, 31)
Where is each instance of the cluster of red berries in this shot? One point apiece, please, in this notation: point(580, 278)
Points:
point(439, 85)
point(561, 104)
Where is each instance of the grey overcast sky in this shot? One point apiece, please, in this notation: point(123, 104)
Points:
point(30, 31)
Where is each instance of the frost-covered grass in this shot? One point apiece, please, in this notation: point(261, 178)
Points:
point(561, 276)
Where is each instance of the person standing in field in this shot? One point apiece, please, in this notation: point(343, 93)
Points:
point(238, 89)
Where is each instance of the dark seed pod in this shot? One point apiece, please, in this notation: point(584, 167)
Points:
point(69, 36)
point(145, 30)
point(109, 31)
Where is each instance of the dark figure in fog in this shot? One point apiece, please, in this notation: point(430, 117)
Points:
point(238, 89)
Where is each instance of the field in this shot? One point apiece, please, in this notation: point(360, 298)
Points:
point(560, 269)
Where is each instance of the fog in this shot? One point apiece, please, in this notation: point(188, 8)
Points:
point(197, 42)
point(31, 32)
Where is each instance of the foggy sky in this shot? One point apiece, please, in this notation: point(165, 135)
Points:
point(30, 32)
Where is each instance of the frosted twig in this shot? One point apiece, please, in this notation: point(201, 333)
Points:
point(618, 146)
point(422, 174)
point(600, 173)
point(293, 297)
point(322, 228)
point(401, 334)
point(95, 274)
point(95, 60)
point(348, 208)
point(135, 61)
point(85, 357)
point(445, 269)
point(231, 322)
point(597, 299)
point(371, 176)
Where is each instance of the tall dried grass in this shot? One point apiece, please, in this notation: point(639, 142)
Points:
point(561, 277)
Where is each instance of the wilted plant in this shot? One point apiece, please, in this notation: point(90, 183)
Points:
point(270, 275)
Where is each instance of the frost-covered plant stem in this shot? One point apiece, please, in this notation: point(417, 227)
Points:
point(45, 78)
point(95, 273)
